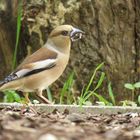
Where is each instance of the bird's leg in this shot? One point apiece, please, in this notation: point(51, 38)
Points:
point(39, 94)
point(26, 95)
point(26, 108)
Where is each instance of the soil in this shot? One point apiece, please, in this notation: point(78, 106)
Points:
point(26, 124)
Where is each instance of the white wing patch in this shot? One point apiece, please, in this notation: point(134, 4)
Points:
point(44, 63)
point(35, 66)
point(22, 72)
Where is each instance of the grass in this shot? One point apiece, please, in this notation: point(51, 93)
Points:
point(86, 93)
point(67, 95)
point(67, 90)
point(49, 94)
point(11, 96)
point(19, 16)
point(111, 94)
point(128, 103)
point(103, 101)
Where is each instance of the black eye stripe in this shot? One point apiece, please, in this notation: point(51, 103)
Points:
point(65, 33)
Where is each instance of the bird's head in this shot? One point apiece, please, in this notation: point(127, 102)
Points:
point(67, 32)
point(63, 35)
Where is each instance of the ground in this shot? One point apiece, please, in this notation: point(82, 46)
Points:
point(17, 125)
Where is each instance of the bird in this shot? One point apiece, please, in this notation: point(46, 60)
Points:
point(42, 68)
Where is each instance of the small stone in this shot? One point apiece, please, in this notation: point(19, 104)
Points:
point(35, 102)
point(137, 133)
point(48, 137)
point(75, 118)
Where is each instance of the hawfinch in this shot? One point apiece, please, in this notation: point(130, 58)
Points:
point(46, 65)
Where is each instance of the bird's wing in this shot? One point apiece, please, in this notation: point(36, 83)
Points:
point(42, 59)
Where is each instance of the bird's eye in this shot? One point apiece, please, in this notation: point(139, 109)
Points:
point(65, 33)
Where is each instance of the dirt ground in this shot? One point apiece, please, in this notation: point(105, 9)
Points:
point(17, 125)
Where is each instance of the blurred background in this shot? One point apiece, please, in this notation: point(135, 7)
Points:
point(112, 36)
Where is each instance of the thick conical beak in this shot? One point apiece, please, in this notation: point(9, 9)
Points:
point(76, 34)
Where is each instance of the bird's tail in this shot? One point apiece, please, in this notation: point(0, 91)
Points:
point(13, 85)
point(8, 82)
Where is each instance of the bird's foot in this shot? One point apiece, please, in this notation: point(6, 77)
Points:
point(51, 103)
point(45, 100)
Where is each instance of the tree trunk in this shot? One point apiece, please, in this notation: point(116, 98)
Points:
point(112, 36)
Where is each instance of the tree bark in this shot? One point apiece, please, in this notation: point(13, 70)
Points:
point(6, 39)
point(112, 36)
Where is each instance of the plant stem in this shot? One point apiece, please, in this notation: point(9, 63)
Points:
point(133, 94)
point(17, 33)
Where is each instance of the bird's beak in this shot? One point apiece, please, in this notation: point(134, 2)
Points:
point(76, 34)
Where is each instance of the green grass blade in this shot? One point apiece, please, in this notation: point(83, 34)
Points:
point(63, 91)
point(82, 92)
point(88, 96)
point(69, 98)
point(67, 87)
point(93, 76)
point(17, 33)
point(102, 99)
point(81, 101)
point(100, 81)
point(85, 94)
point(49, 94)
point(111, 94)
